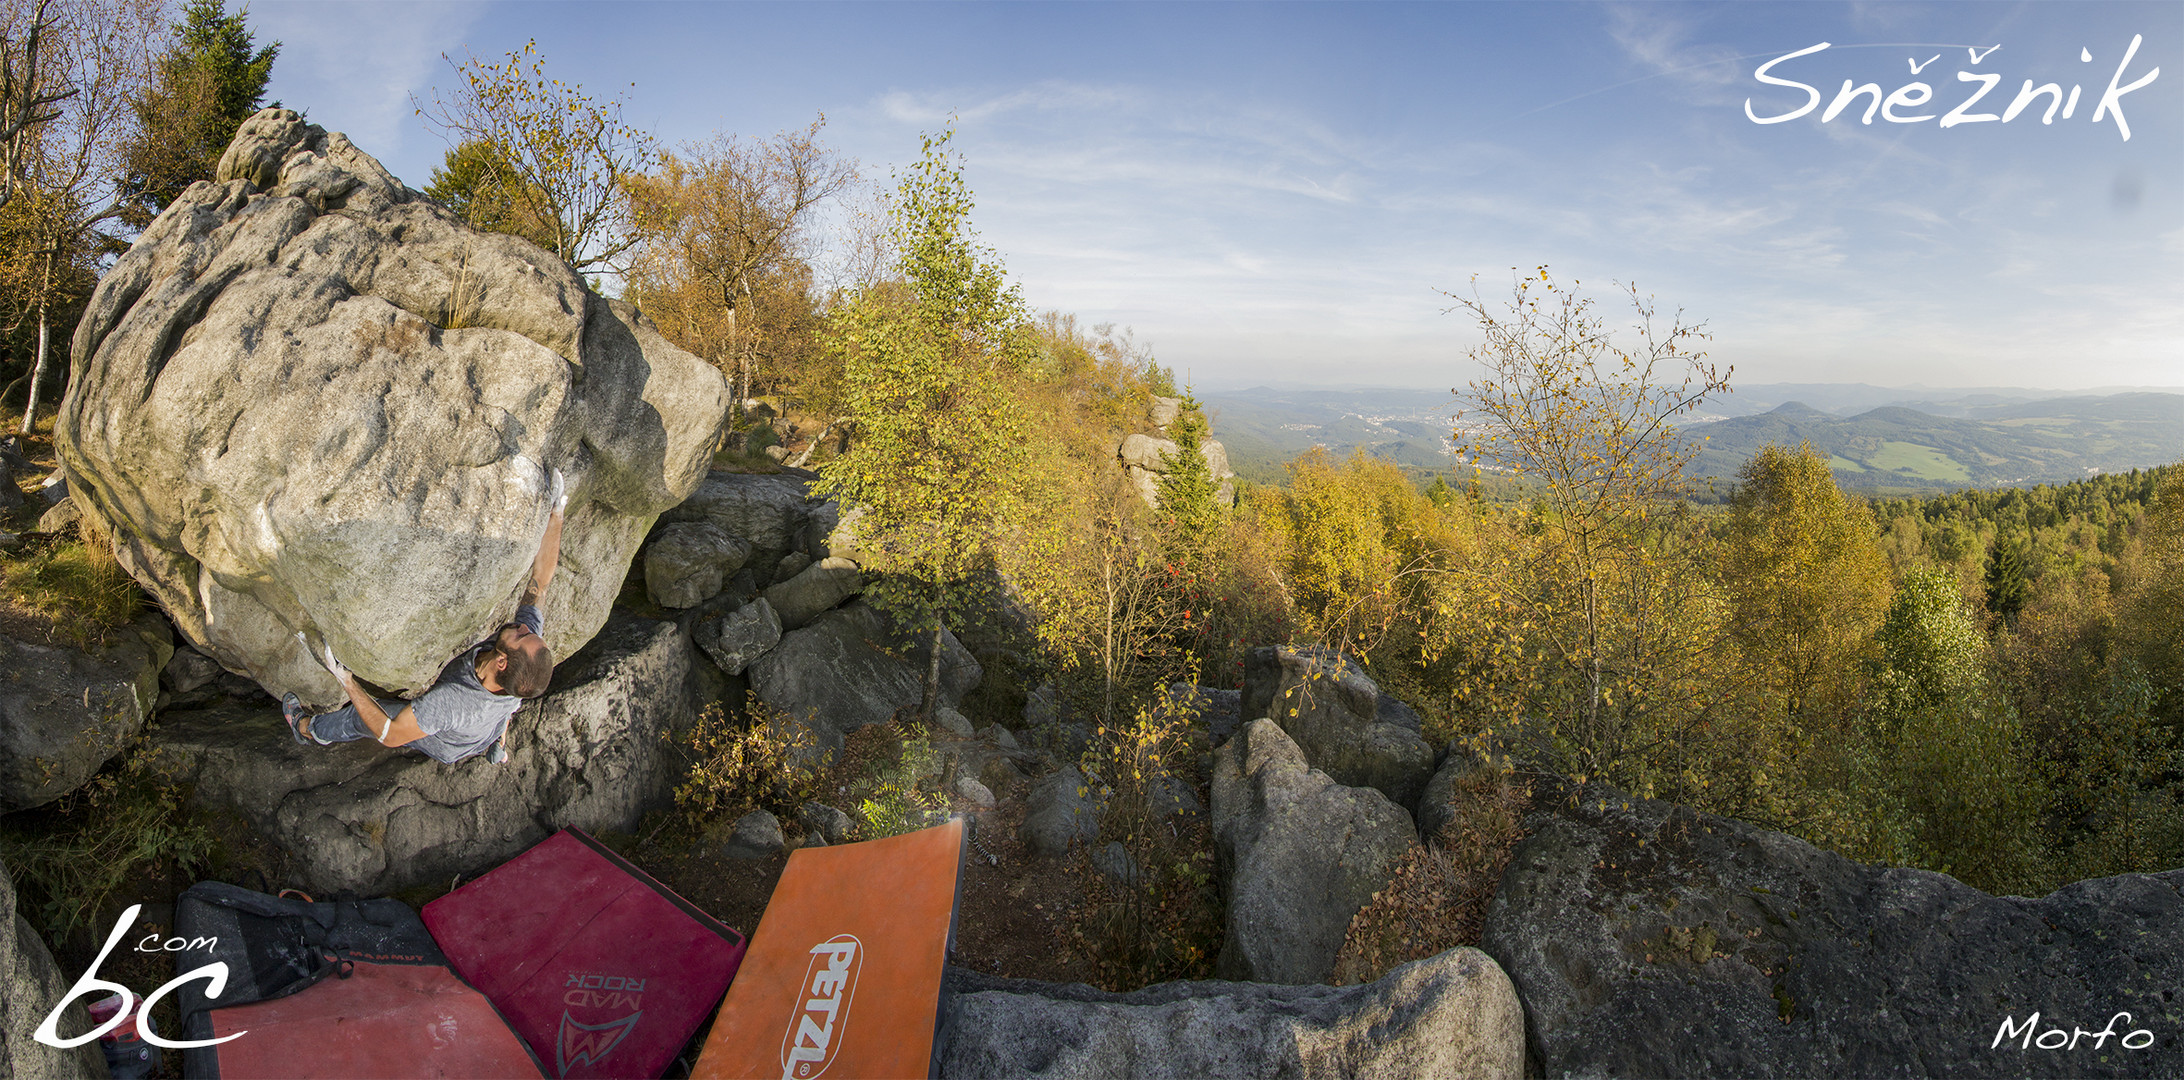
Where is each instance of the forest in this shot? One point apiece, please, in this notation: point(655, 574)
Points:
point(1987, 683)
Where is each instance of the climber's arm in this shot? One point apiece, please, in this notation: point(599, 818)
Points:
point(398, 730)
point(549, 549)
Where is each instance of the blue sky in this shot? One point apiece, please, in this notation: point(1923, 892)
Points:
point(1277, 193)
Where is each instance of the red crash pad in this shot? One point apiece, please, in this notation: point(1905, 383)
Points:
point(603, 970)
point(843, 977)
point(381, 1020)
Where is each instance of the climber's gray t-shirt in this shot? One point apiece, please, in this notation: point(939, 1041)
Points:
point(459, 716)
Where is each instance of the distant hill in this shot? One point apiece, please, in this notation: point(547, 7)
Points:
point(1892, 441)
point(1896, 449)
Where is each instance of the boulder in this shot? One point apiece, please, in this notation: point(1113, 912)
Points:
point(952, 722)
point(688, 562)
point(1219, 712)
point(1060, 811)
point(1147, 453)
point(30, 985)
point(830, 824)
point(1436, 805)
point(756, 835)
point(60, 517)
point(838, 674)
point(308, 399)
point(736, 639)
point(1164, 411)
point(819, 588)
point(1647, 939)
point(64, 711)
point(1216, 457)
point(791, 565)
point(1338, 716)
point(189, 670)
point(361, 817)
point(1297, 855)
point(767, 510)
point(973, 792)
point(1449, 1016)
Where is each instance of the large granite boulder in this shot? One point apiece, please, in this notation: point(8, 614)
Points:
point(1297, 854)
point(362, 817)
point(64, 712)
point(1062, 811)
point(769, 511)
point(30, 985)
point(688, 562)
point(736, 639)
point(308, 399)
point(1647, 939)
point(1337, 714)
point(1448, 1017)
point(848, 670)
point(821, 586)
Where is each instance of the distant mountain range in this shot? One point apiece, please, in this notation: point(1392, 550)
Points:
point(1879, 440)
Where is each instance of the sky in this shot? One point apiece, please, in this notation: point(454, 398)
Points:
point(1287, 193)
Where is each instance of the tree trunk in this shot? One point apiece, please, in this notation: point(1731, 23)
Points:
point(930, 705)
point(37, 368)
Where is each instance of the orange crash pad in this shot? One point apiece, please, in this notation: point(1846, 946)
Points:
point(843, 974)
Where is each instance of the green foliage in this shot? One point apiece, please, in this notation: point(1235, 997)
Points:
point(1931, 650)
point(550, 162)
point(76, 584)
point(764, 762)
point(940, 453)
point(211, 79)
point(2005, 578)
point(1807, 580)
point(77, 855)
point(903, 795)
point(1187, 489)
point(481, 190)
point(1166, 923)
point(1588, 418)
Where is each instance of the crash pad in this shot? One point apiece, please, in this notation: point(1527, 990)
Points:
point(844, 972)
point(601, 969)
point(347, 988)
point(380, 1020)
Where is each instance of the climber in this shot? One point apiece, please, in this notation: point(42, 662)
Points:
point(466, 712)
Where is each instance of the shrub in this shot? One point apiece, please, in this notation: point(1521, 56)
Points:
point(903, 794)
point(1164, 924)
point(77, 855)
point(1436, 900)
point(764, 762)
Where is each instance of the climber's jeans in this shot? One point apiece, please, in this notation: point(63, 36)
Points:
point(344, 725)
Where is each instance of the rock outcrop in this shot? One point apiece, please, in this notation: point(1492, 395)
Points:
point(1450, 1017)
point(64, 712)
point(688, 562)
point(1650, 940)
point(30, 985)
point(309, 399)
point(769, 511)
point(357, 816)
point(1346, 727)
point(838, 674)
point(1297, 855)
point(1060, 812)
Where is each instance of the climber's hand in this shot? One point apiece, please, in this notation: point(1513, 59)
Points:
point(333, 666)
point(558, 493)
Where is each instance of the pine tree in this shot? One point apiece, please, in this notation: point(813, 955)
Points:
point(1187, 490)
point(210, 81)
point(2006, 578)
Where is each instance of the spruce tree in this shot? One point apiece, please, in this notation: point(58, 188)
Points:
point(1187, 490)
point(209, 82)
